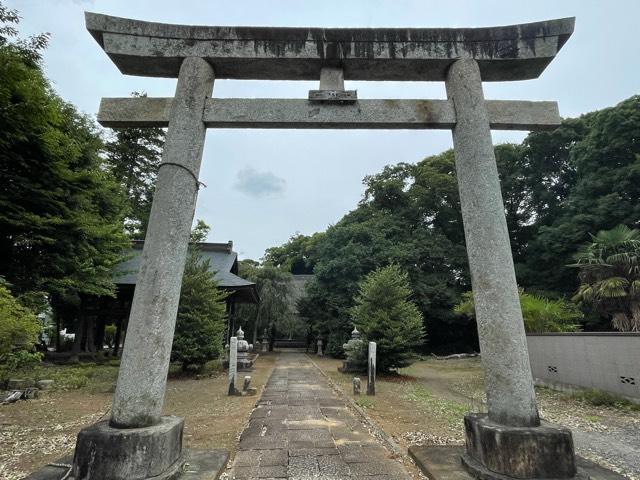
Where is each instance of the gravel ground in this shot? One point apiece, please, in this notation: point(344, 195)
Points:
point(36, 432)
point(424, 406)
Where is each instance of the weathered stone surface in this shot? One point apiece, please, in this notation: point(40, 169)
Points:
point(19, 383)
point(331, 78)
point(504, 53)
point(104, 452)
point(45, 384)
point(233, 365)
point(310, 441)
point(356, 386)
point(509, 384)
point(299, 113)
point(439, 462)
point(199, 465)
point(244, 361)
point(371, 378)
point(443, 463)
point(204, 464)
point(539, 452)
point(143, 371)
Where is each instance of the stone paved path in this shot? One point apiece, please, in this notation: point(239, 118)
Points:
point(302, 430)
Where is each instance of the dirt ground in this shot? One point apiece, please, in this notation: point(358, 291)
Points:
point(423, 405)
point(36, 432)
point(426, 403)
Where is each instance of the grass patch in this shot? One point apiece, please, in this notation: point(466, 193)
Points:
point(96, 377)
point(212, 368)
point(451, 412)
point(600, 398)
point(99, 377)
point(365, 402)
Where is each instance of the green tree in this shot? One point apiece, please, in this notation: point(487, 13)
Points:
point(557, 186)
point(19, 328)
point(582, 177)
point(61, 211)
point(199, 333)
point(385, 315)
point(410, 216)
point(540, 314)
point(133, 156)
point(610, 276)
point(295, 256)
point(274, 289)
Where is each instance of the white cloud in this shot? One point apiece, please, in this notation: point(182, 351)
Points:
point(259, 184)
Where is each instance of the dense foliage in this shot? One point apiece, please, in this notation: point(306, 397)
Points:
point(540, 314)
point(274, 311)
point(61, 211)
point(295, 256)
point(133, 156)
point(581, 178)
point(384, 314)
point(19, 328)
point(199, 333)
point(557, 188)
point(610, 276)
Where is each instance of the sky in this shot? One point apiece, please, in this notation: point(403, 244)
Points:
point(265, 185)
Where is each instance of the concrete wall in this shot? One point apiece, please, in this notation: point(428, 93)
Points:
point(606, 361)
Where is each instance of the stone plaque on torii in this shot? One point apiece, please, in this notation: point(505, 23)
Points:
point(463, 59)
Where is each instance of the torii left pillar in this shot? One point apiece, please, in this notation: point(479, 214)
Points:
point(138, 442)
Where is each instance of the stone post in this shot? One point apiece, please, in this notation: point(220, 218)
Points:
point(233, 364)
point(356, 385)
point(265, 341)
point(371, 379)
point(509, 440)
point(331, 79)
point(142, 379)
point(509, 383)
point(319, 347)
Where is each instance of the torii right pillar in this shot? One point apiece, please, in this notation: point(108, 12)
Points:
point(509, 441)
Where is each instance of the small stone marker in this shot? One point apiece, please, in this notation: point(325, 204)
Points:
point(233, 365)
point(265, 341)
point(320, 347)
point(371, 381)
point(247, 383)
point(19, 384)
point(356, 385)
point(44, 384)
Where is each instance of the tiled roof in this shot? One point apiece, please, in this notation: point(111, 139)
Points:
point(222, 260)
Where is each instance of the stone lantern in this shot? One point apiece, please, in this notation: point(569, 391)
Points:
point(355, 361)
point(244, 362)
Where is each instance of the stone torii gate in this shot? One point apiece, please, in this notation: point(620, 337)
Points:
point(510, 439)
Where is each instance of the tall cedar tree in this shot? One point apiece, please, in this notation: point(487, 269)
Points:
point(133, 156)
point(384, 314)
point(61, 211)
point(201, 317)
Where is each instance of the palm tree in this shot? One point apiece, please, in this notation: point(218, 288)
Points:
point(610, 276)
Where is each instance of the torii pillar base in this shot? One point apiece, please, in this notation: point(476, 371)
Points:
point(499, 452)
point(148, 453)
point(103, 451)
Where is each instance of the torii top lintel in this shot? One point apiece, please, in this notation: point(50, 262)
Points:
point(516, 52)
